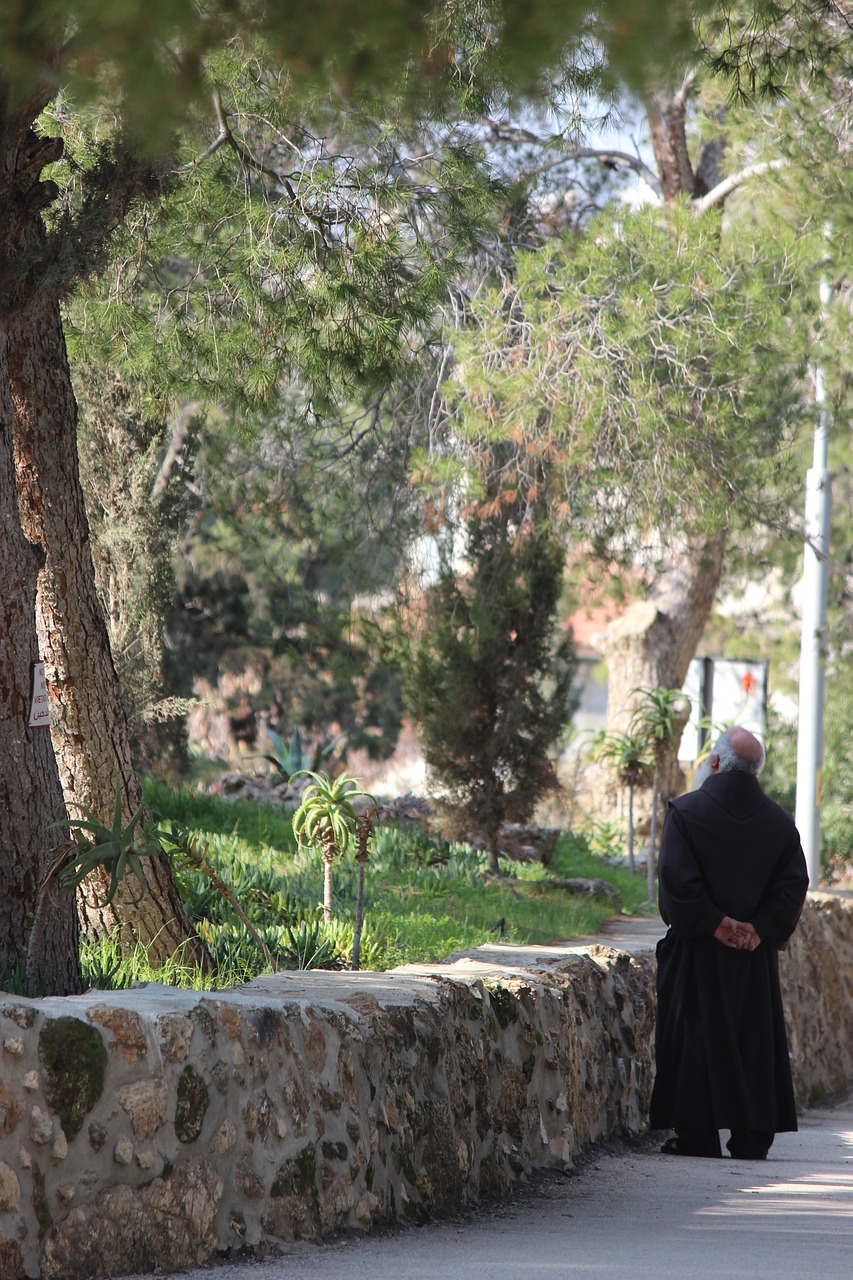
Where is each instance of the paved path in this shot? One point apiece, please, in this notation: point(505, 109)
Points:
point(627, 1215)
point(625, 933)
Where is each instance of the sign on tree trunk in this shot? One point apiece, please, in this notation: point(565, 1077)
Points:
point(39, 710)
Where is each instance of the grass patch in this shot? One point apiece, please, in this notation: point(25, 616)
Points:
point(425, 897)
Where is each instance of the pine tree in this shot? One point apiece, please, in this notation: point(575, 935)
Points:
point(489, 678)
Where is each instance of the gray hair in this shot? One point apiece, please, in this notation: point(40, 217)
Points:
point(732, 762)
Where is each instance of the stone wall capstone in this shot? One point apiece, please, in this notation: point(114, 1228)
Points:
point(157, 1128)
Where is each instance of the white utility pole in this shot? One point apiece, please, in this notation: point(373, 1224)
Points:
point(815, 577)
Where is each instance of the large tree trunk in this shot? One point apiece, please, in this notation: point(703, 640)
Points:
point(651, 646)
point(680, 175)
point(38, 922)
point(90, 728)
point(30, 792)
point(88, 723)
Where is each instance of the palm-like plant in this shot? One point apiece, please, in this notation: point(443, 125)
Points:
point(658, 717)
point(626, 752)
point(327, 819)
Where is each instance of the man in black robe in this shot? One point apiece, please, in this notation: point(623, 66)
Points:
point(733, 880)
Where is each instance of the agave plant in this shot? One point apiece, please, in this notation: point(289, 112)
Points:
point(291, 757)
point(119, 848)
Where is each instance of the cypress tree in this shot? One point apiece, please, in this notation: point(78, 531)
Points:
point(489, 677)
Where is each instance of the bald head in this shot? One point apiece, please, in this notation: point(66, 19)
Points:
point(737, 751)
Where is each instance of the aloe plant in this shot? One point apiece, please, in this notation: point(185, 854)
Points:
point(326, 819)
point(626, 752)
point(309, 949)
point(121, 848)
point(656, 721)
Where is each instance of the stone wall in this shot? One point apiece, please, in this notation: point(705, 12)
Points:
point(157, 1128)
point(817, 982)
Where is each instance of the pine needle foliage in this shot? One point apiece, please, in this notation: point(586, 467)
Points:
point(301, 231)
point(634, 362)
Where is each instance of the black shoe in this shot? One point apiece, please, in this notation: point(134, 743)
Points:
point(675, 1147)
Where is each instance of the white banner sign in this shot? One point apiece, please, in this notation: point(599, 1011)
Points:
point(727, 691)
point(39, 710)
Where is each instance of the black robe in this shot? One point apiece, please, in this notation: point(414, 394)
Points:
point(721, 1047)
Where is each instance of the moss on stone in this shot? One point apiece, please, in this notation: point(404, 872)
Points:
point(367, 1070)
point(97, 1136)
point(74, 1067)
point(335, 1151)
point(416, 1213)
point(421, 1119)
point(504, 1005)
point(297, 1177)
point(40, 1205)
point(193, 1101)
point(266, 1026)
point(494, 1178)
point(403, 1161)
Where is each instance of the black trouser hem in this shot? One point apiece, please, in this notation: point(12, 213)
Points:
point(750, 1144)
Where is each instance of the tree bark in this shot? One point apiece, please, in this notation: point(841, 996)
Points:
point(30, 792)
point(38, 921)
point(328, 897)
point(651, 646)
point(90, 729)
point(667, 117)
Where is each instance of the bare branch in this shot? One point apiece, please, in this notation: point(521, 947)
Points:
point(185, 420)
point(682, 94)
point(226, 137)
point(725, 188)
point(504, 132)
